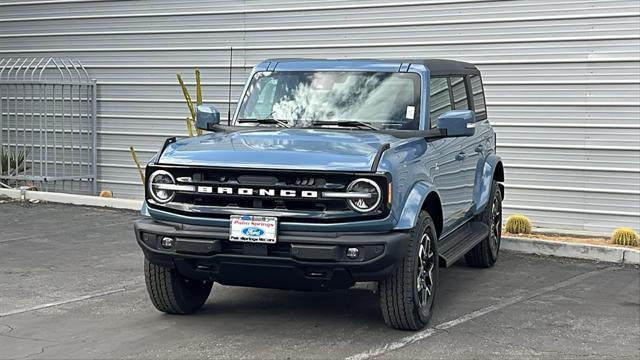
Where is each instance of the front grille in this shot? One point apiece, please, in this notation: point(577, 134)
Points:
point(268, 204)
point(286, 194)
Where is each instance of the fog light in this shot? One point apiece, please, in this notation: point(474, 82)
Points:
point(166, 242)
point(353, 253)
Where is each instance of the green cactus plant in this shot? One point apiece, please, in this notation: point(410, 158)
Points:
point(518, 224)
point(625, 236)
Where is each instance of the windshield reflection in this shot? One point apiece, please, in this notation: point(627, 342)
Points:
point(303, 99)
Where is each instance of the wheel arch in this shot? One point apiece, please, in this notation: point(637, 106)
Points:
point(423, 196)
point(433, 205)
point(492, 169)
point(498, 175)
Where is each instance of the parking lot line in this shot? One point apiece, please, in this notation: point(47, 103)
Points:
point(472, 315)
point(62, 302)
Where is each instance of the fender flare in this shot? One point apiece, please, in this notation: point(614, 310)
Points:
point(414, 204)
point(144, 209)
point(492, 167)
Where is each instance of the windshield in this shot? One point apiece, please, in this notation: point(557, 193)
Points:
point(303, 99)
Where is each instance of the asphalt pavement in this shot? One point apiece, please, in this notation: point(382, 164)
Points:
point(71, 286)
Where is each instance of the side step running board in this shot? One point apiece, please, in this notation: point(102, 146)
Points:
point(454, 246)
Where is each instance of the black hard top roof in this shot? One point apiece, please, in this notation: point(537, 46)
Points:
point(435, 66)
point(446, 67)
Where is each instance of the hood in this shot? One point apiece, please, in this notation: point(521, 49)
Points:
point(300, 149)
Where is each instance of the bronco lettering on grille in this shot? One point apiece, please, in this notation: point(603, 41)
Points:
point(246, 191)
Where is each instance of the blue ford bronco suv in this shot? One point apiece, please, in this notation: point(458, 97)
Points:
point(330, 172)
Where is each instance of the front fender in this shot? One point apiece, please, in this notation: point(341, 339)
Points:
point(144, 210)
point(413, 205)
point(484, 177)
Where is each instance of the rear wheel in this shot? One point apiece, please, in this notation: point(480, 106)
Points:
point(172, 293)
point(485, 254)
point(407, 295)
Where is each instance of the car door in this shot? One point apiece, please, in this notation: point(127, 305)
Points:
point(446, 171)
point(477, 146)
point(449, 180)
point(467, 156)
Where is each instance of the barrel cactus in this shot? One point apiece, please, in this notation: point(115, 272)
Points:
point(625, 236)
point(518, 224)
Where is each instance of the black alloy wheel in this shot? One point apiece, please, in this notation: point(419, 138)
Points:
point(407, 295)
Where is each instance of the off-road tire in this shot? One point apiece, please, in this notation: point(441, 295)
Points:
point(172, 293)
point(399, 296)
point(485, 254)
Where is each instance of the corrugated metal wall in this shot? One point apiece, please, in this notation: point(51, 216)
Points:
point(562, 78)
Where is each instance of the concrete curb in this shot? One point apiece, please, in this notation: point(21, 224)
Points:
point(524, 245)
point(73, 199)
point(571, 250)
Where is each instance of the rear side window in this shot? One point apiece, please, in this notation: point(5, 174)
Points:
point(459, 88)
point(439, 98)
point(479, 104)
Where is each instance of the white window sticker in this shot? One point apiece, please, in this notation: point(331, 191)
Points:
point(411, 111)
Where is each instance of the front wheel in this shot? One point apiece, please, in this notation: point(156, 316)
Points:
point(407, 295)
point(171, 292)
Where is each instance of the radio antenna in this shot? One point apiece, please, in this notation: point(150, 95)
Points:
point(229, 96)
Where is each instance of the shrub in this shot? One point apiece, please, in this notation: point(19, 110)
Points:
point(625, 236)
point(518, 224)
point(12, 163)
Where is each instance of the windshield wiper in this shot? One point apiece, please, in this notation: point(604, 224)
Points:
point(267, 120)
point(350, 123)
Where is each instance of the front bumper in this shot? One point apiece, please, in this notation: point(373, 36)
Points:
point(300, 260)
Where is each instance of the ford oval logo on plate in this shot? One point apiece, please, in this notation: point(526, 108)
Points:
point(253, 231)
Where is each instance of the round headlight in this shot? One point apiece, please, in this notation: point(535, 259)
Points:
point(157, 192)
point(371, 195)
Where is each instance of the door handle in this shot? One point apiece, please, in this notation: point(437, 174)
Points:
point(461, 156)
point(480, 148)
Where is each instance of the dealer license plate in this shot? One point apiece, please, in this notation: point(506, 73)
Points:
point(254, 229)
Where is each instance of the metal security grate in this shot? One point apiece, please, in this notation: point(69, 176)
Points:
point(47, 125)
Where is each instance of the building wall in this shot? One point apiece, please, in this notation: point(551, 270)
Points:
point(562, 78)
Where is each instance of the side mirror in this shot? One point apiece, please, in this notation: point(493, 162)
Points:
point(458, 122)
point(206, 117)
